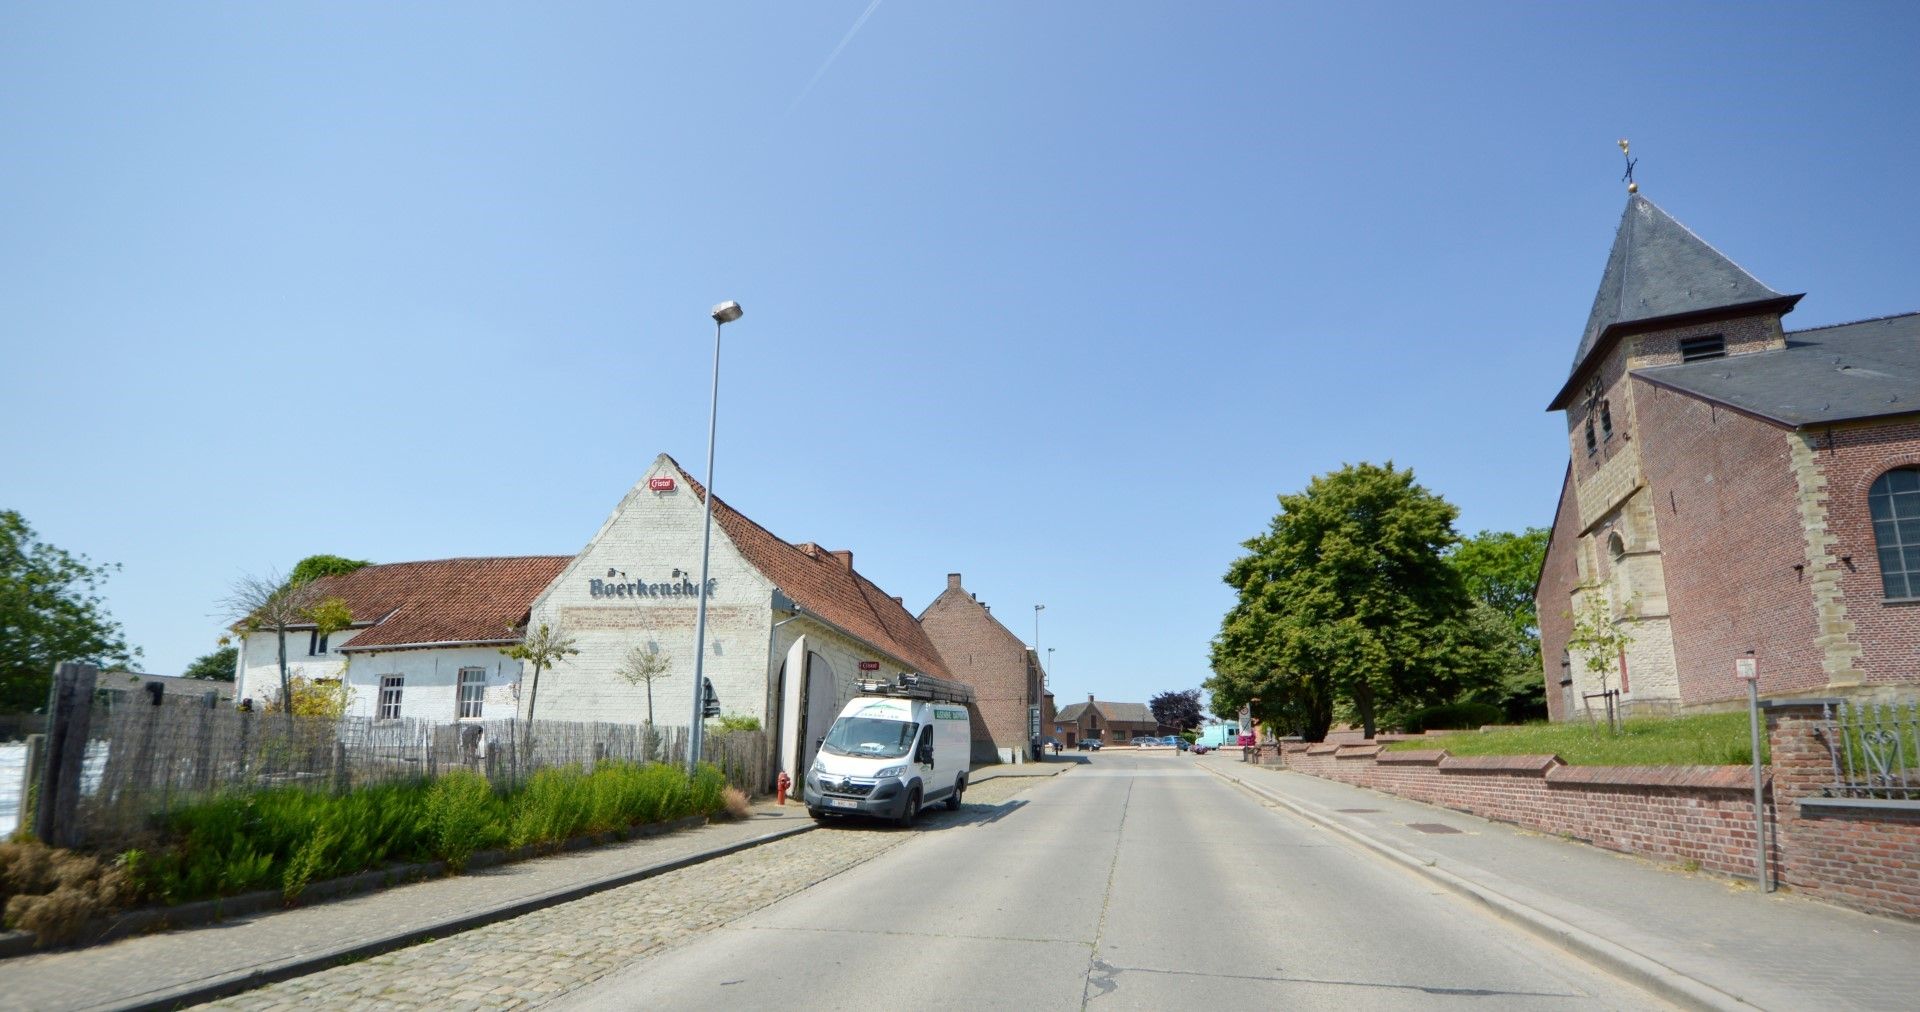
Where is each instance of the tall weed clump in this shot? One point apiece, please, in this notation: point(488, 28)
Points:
point(288, 838)
point(463, 815)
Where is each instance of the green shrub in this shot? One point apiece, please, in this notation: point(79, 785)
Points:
point(1451, 717)
point(289, 838)
point(463, 815)
point(733, 722)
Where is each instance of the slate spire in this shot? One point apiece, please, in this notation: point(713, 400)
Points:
point(1660, 269)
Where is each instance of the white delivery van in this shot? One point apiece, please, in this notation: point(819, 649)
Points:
point(895, 749)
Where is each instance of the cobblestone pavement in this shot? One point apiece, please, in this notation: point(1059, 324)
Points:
point(533, 959)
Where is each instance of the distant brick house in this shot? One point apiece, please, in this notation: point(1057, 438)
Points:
point(1733, 487)
point(1108, 723)
point(1005, 674)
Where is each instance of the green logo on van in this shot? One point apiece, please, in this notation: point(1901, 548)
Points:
point(950, 714)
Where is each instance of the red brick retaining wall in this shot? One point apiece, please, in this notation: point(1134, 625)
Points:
point(1676, 814)
point(1866, 858)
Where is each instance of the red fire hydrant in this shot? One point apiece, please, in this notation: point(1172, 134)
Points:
point(780, 788)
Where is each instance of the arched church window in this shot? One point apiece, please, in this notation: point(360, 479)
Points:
point(1894, 501)
point(1616, 546)
point(1592, 444)
point(1606, 420)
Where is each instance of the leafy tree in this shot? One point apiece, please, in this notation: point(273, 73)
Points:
point(1500, 569)
point(640, 667)
point(268, 602)
point(217, 665)
point(1347, 599)
point(51, 610)
point(323, 697)
point(542, 647)
point(314, 567)
point(1597, 638)
point(1178, 710)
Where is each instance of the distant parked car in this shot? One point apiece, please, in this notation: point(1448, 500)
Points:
point(1089, 744)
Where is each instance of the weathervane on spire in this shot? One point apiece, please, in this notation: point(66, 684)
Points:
point(1632, 187)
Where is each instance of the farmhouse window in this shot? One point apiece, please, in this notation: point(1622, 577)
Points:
point(316, 643)
point(1894, 501)
point(390, 686)
point(473, 685)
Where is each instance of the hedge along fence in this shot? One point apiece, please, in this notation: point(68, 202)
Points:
point(287, 838)
point(147, 761)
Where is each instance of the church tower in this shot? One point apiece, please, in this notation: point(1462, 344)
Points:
point(1665, 298)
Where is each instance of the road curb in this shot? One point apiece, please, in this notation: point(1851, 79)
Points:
point(299, 966)
point(1638, 968)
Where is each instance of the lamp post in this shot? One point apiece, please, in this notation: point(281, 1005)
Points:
point(1037, 609)
point(723, 314)
point(1046, 673)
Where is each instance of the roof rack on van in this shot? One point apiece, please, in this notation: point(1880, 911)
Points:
point(917, 686)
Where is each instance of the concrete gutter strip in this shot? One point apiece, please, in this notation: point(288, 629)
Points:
point(296, 966)
point(1641, 970)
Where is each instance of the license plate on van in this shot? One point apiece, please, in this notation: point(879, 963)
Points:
point(843, 803)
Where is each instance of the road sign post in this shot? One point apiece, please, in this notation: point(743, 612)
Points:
point(1746, 670)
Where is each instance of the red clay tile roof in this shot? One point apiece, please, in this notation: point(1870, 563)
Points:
point(442, 601)
point(827, 588)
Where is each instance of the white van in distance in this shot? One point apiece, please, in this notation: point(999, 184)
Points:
point(895, 749)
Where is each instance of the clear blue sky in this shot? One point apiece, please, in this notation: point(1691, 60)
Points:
point(1059, 296)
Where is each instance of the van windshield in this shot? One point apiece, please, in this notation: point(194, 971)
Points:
point(868, 736)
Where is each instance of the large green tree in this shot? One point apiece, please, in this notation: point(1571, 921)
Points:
point(1500, 569)
point(1347, 602)
point(216, 665)
point(51, 610)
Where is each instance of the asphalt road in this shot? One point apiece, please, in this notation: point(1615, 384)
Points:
point(1135, 881)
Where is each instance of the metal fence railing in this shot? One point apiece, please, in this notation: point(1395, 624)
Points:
point(1875, 748)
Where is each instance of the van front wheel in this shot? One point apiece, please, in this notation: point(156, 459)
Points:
point(953, 800)
point(912, 810)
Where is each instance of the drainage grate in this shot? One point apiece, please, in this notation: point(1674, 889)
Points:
point(1358, 811)
point(1431, 827)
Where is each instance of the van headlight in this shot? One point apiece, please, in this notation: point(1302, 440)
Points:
point(891, 771)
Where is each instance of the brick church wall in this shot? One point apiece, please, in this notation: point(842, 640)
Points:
point(1724, 496)
point(1557, 579)
point(1888, 633)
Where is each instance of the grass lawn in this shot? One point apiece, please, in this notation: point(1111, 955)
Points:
point(1715, 739)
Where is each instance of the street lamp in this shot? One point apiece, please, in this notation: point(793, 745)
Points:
point(1037, 609)
point(723, 314)
point(1046, 673)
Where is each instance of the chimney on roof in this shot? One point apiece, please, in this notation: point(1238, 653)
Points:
point(901, 601)
point(953, 581)
point(844, 556)
point(1089, 697)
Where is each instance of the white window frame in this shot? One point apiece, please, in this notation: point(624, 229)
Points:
point(469, 706)
point(387, 707)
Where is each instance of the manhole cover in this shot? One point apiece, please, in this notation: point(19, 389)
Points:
point(1358, 811)
point(1431, 827)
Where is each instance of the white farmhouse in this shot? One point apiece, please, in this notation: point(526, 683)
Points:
point(791, 628)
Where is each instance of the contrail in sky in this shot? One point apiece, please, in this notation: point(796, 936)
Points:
point(824, 67)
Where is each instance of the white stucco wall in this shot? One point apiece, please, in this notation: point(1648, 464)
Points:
point(258, 672)
point(648, 536)
point(429, 691)
point(431, 678)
